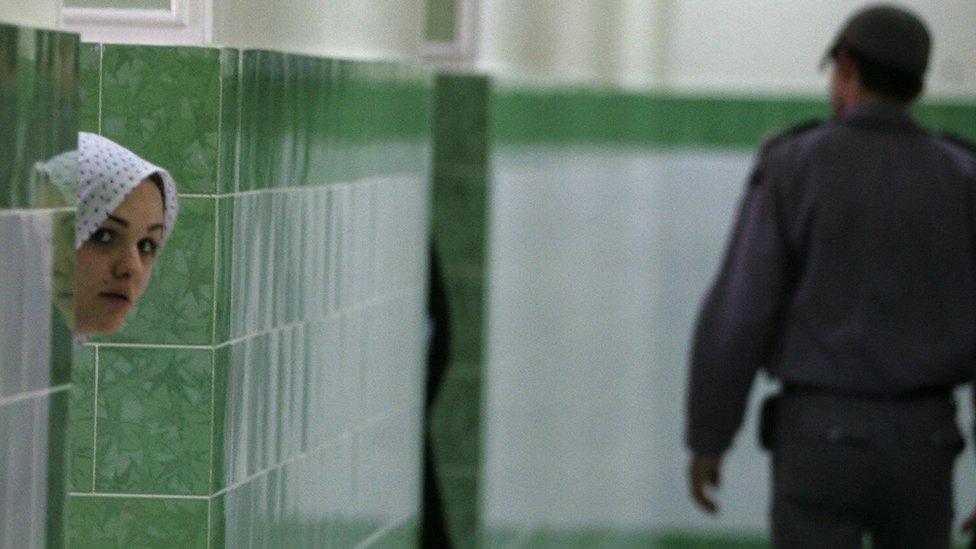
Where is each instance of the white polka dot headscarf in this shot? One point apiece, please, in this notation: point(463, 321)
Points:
point(107, 173)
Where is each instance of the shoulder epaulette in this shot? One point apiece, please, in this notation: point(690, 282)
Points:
point(960, 142)
point(774, 138)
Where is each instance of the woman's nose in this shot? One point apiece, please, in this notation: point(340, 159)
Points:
point(128, 264)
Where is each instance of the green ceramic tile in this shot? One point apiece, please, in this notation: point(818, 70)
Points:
point(260, 125)
point(177, 306)
point(217, 458)
point(60, 340)
point(461, 120)
point(459, 210)
point(456, 420)
point(57, 469)
point(163, 103)
point(308, 121)
point(230, 119)
point(460, 500)
point(226, 242)
point(116, 522)
point(81, 432)
point(322, 154)
point(465, 293)
point(154, 421)
point(89, 81)
point(38, 106)
point(217, 530)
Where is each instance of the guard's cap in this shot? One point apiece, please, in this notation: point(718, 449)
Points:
point(887, 35)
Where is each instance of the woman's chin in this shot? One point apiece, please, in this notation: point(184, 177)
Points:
point(98, 326)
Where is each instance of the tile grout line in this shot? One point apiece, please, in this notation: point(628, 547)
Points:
point(347, 436)
point(216, 279)
point(101, 56)
point(158, 346)
point(136, 496)
point(213, 339)
point(363, 181)
point(35, 211)
point(377, 535)
point(213, 427)
point(362, 306)
point(247, 480)
point(20, 397)
point(95, 418)
point(220, 120)
point(209, 512)
point(238, 119)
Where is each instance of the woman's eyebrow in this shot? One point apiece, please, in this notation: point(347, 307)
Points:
point(119, 220)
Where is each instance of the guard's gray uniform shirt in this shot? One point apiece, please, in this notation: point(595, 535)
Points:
point(851, 267)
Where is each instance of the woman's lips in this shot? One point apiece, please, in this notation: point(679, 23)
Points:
point(114, 299)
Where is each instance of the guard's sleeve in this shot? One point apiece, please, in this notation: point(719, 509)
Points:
point(737, 323)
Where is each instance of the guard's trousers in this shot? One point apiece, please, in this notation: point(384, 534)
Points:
point(846, 467)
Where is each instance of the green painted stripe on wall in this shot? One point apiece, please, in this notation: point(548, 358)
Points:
point(570, 115)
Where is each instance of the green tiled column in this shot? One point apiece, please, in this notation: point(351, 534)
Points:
point(275, 363)
point(38, 120)
point(142, 416)
point(460, 226)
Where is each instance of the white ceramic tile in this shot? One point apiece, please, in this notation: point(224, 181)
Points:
point(25, 302)
point(23, 472)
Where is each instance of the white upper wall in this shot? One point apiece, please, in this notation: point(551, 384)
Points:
point(362, 29)
point(359, 29)
point(738, 46)
point(777, 45)
point(609, 41)
point(30, 13)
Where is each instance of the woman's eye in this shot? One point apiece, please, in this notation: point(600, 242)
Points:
point(102, 236)
point(148, 246)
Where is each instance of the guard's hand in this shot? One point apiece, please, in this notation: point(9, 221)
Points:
point(702, 472)
point(969, 525)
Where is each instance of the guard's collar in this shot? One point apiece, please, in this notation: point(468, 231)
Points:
point(880, 115)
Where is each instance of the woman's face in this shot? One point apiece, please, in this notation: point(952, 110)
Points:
point(115, 263)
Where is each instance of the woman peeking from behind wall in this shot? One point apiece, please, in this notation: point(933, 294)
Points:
point(126, 209)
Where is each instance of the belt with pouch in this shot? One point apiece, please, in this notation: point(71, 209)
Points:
point(769, 413)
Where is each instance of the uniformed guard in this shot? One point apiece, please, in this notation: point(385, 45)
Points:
point(850, 278)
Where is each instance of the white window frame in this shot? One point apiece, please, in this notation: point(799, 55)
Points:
point(462, 51)
point(186, 22)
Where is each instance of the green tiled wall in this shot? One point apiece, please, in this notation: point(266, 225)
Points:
point(268, 389)
point(460, 227)
point(38, 120)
